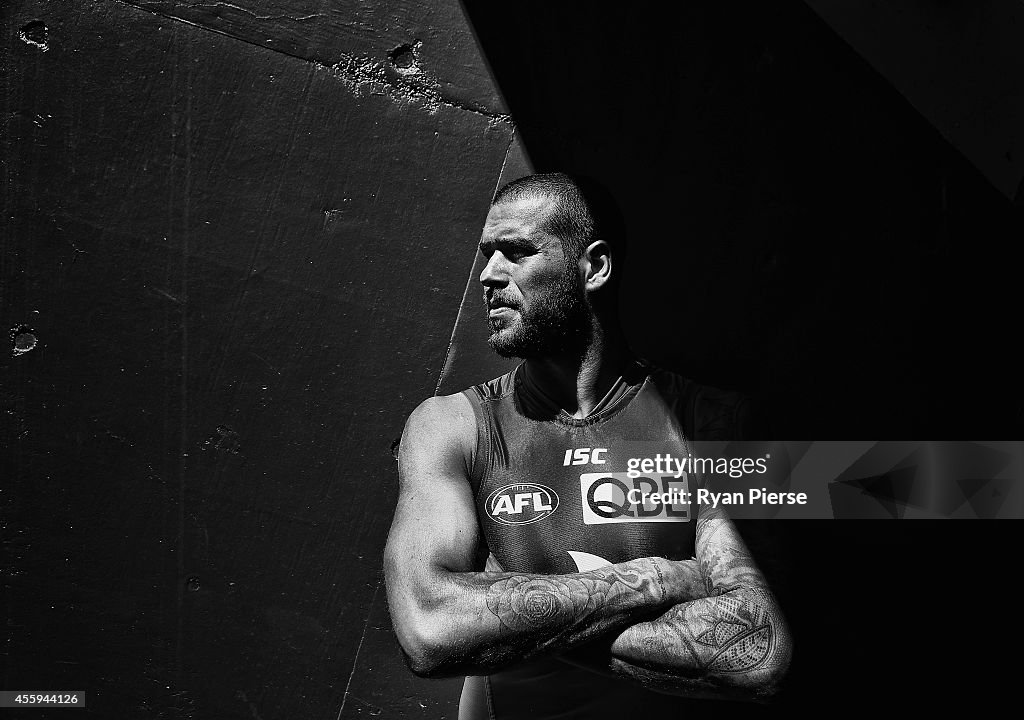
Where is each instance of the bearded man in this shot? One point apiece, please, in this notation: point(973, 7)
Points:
point(521, 553)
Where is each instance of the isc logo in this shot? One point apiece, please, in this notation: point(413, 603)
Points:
point(521, 504)
point(584, 456)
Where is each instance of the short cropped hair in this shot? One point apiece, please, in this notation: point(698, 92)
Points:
point(586, 211)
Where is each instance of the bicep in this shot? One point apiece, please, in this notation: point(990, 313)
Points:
point(435, 526)
point(434, 530)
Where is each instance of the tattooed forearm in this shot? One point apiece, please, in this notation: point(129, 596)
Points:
point(479, 622)
point(733, 642)
point(736, 640)
point(725, 562)
point(524, 603)
point(726, 633)
point(491, 620)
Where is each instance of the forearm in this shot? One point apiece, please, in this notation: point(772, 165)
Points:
point(476, 622)
point(735, 644)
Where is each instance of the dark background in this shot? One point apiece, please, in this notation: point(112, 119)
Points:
point(236, 241)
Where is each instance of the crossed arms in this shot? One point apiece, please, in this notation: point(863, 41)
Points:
point(708, 627)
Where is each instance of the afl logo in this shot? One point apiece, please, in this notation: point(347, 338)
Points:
point(521, 504)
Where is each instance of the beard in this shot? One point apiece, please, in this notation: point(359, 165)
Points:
point(556, 323)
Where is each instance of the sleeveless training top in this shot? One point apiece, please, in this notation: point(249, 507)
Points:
point(556, 494)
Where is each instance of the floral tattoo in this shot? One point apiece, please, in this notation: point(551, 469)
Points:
point(524, 603)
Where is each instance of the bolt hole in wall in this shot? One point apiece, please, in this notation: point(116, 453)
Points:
point(403, 57)
point(35, 33)
point(23, 339)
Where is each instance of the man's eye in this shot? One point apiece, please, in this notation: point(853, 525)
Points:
point(512, 254)
point(515, 254)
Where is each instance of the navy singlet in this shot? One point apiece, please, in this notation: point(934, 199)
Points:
point(556, 494)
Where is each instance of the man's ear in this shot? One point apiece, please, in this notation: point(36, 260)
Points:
point(597, 265)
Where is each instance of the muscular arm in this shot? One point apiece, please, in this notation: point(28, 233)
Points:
point(452, 619)
point(732, 643)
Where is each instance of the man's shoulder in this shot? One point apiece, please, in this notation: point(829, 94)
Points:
point(442, 420)
point(441, 408)
point(493, 389)
point(439, 433)
point(455, 415)
point(708, 412)
point(682, 386)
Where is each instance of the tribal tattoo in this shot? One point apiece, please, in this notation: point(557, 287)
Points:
point(728, 636)
point(734, 640)
point(723, 634)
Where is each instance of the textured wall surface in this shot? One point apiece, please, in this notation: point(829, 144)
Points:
point(237, 248)
point(234, 243)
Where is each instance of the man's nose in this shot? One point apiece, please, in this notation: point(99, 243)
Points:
point(494, 274)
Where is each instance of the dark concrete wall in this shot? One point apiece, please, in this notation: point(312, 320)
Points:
point(234, 244)
point(235, 241)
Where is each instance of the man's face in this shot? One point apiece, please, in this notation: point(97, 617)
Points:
point(535, 303)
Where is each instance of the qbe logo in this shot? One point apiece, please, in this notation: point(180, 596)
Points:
point(521, 504)
point(618, 498)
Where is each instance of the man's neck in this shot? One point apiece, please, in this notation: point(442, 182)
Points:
point(579, 383)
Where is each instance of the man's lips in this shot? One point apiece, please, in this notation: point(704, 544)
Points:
point(496, 308)
point(496, 303)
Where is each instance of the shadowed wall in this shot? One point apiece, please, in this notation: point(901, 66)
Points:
point(233, 248)
point(235, 244)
